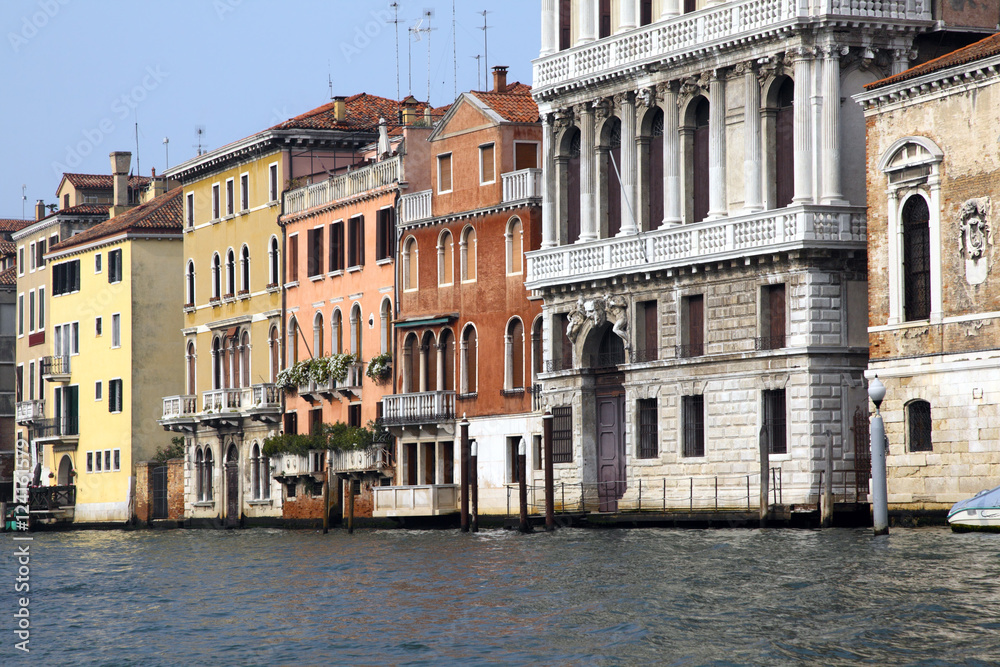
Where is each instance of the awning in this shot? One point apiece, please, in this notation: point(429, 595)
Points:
point(422, 323)
point(231, 332)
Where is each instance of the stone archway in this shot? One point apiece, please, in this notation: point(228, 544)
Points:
point(65, 476)
point(232, 486)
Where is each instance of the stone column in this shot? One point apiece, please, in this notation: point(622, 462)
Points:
point(626, 106)
point(900, 60)
point(440, 366)
point(752, 200)
point(626, 15)
point(671, 156)
point(549, 185)
point(588, 157)
point(934, 227)
point(802, 131)
point(894, 241)
point(424, 349)
point(550, 28)
point(463, 382)
point(717, 205)
point(407, 370)
point(831, 127)
point(508, 361)
point(670, 8)
point(588, 13)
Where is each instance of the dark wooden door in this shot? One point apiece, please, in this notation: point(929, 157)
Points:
point(776, 313)
point(232, 494)
point(699, 162)
point(573, 190)
point(610, 449)
point(696, 325)
point(411, 464)
point(784, 155)
point(430, 463)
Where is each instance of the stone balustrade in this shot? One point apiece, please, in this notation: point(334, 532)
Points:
point(416, 206)
point(358, 181)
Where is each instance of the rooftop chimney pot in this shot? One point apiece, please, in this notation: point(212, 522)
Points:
point(120, 161)
point(339, 108)
point(39, 209)
point(500, 78)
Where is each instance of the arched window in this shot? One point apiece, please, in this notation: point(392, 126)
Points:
point(65, 471)
point(190, 283)
point(234, 375)
point(293, 341)
point(208, 472)
point(468, 251)
point(514, 355)
point(216, 276)
point(275, 352)
point(470, 355)
point(568, 173)
point(697, 167)
point(409, 370)
point(199, 475)
point(245, 269)
point(385, 323)
point(230, 272)
point(357, 326)
point(536, 349)
point(245, 364)
point(255, 471)
point(918, 421)
point(784, 145)
point(916, 259)
point(446, 255)
point(318, 335)
point(515, 246)
point(446, 360)
point(217, 355)
point(191, 377)
point(410, 264)
point(610, 153)
point(337, 332)
point(428, 376)
point(273, 258)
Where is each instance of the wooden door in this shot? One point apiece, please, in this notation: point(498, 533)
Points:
point(232, 495)
point(696, 325)
point(776, 315)
point(610, 449)
point(430, 463)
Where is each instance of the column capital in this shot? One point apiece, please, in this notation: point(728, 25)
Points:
point(622, 99)
point(583, 109)
point(800, 53)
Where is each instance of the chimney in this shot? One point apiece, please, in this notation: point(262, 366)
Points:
point(39, 209)
point(409, 110)
point(339, 108)
point(120, 161)
point(499, 78)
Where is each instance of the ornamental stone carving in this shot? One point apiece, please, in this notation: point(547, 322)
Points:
point(645, 97)
point(616, 308)
point(975, 239)
point(601, 108)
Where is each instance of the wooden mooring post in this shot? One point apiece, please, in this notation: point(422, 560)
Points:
point(474, 485)
point(522, 479)
point(550, 518)
point(464, 473)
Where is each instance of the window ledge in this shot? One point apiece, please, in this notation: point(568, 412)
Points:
point(355, 268)
point(294, 283)
point(215, 221)
point(215, 302)
point(228, 298)
point(204, 503)
point(383, 261)
point(446, 284)
point(273, 202)
point(317, 277)
point(335, 274)
point(189, 308)
point(245, 211)
point(243, 294)
point(231, 216)
point(273, 287)
point(266, 501)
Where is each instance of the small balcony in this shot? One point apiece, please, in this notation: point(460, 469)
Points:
point(421, 500)
point(351, 385)
point(222, 400)
point(364, 179)
point(262, 402)
point(58, 430)
point(426, 407)
point(180, 412)
point(28, 412)
point(522, 184)
point(56, 368)
point(53, 500)
point(416, 206)
point(377, 458)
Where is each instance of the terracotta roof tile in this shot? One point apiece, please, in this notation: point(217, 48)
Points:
point(984, 48)
point(363, 112)
point(514, 105)
point(9, 276)
point(7, 248)
point(13, 224)
point(104, 181)
point(161, 214)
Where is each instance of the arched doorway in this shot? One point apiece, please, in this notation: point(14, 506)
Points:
point(65, 477)
point(606, 351)
point(232, 487)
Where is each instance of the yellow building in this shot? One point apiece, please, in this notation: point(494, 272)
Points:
point(114, 320)
point(233, 279)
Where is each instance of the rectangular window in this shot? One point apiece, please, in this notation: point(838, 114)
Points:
point(385, 241)
point(774, 420)
point(98, 258)
point(230, 197)
point(525, 155)
point(20, 261)
point(314, 257)
point(648, 334)
point(31, 310)
point(649, 436)
point(74, 337)
point(40, 250)
point(114, 266)
point(444, 173)
point(32, 256)
point(272, 182)
point(66, 277)
point(98, 326)
point(356, 241)
point(293, 258)
point(487, 169)
point(116, 330)
point(562, 434)
point(244, 192)
point(694, 425)
point(693, 326)
point(354, 415)
point(98, 460)
point(41, 308)
point(337, 246)
point(215, 201)
point(115, 399)
point(513, 459)
point(537, 453)
point(90, 461)
point(772, 317)
point(920, 425)
point(107, 460)
point(20, 314)
point(98, 391)
point(116, 459)
point(31, 380)
point(190, 210)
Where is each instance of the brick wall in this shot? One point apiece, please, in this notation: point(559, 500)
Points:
point(175, 490)
point(143, 491)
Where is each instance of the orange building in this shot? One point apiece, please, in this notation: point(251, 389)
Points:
point(468, 336)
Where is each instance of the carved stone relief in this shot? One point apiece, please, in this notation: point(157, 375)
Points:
point(975, 239)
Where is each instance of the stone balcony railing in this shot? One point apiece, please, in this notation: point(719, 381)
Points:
point(718, 27)
point(729, 238)
point(376, 457)
point(358, 181)
point(56, 367)
point(29, 411)
point(175, 407)
point(217, 400)
point(253, 399)
point(522, 184)
point(424, 407)
point(421, 500)
point(416, 206)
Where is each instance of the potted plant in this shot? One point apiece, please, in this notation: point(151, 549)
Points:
point(380, 368)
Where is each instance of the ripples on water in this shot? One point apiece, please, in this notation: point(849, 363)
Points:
point(678, 597)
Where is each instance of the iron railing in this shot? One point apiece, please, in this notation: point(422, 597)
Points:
point(688, 351)
point(553, 365)
point(769, 342)
point(56, 365)
point(51, 498)
point(55, 427)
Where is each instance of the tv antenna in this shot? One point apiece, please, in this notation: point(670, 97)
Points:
point(478, 57)
point(24, 198)
point(166, 150)
point(454, 53)
point(428, 14)
point(486, 46)
point(200, 131)
point(329, 79)
point(395, 25)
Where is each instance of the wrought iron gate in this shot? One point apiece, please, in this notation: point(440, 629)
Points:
point(160, 492)
point(862, 455)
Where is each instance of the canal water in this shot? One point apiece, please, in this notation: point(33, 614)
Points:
point(616, 597)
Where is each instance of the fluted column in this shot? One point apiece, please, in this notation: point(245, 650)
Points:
point(588, 13)
point(550, 28)
point(626, 14)
point(424, 349)
point(802, 131)
point(752, 200)
point(626, 106)
point(549, 185)
point(671, 156)
point(717, 205)
point(670, 8)
point(831, 127)
point(588, 159)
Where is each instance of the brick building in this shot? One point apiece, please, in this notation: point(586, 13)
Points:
point(934, 329)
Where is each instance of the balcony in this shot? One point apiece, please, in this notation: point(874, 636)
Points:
point(422, 500)
point(522, 184)
point(260, 402)
point(222, 400)
point(765, 233)
point(343, 186)
point(56, 368)
point(377, 458)
point(416, 206)
point(351, 385)
point(28, 412)
point(426, 407)
point(57, 430)
point(51, 499)
point(713, 29)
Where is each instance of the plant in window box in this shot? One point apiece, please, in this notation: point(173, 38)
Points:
point(335, 367)
point(380, 368)
point(294, 376)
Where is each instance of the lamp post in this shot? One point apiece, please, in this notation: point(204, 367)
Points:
point(880, 491)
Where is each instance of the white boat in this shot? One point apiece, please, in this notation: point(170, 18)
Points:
point(981, 512)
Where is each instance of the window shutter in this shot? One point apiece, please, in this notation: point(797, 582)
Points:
point(361, 240)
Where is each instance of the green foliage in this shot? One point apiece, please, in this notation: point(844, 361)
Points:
point(174, 451)
point(380, 368)
point(320, 370)
point(337, 436)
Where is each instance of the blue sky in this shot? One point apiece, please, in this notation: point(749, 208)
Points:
point(76, 75)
